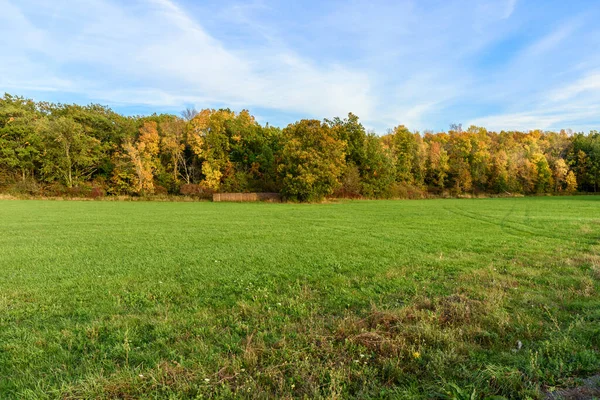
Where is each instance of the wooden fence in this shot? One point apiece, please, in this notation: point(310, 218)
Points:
point(242, 197)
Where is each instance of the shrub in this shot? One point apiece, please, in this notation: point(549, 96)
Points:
point(405, 191)
point(351, 185)
point(190, 189)
point(25, 187)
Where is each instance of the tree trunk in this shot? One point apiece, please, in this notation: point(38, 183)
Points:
point(175, 160)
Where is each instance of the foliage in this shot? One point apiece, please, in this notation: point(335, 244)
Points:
point(377, 172)
point(69, 155)
point(143, 157)
point(312, 160)
point(75, 146)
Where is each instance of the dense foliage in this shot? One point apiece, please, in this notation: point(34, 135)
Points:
point(57, 149)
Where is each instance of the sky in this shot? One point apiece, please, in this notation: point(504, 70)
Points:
point(426, 64)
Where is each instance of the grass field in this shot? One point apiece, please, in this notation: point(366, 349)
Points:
point(368, 299)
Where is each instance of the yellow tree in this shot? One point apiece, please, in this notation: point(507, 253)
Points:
point(527, 173)
point(480, 156)
point(560, 171)
point(437, 165)
point(143, 156)
point(172, 144)
point(499, 173)
point(571, 182)
point(208, 139)
point(404, 146)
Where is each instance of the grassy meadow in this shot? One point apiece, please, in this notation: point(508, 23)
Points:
point(364, 299)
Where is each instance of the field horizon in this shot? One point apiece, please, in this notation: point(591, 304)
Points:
point(436, 298)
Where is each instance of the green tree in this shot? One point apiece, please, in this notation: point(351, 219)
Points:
point(544, 182)
point(459, 152)
point(70, 156)
point(351, 131)
point(378, 171)
point(254, 154)
point(312, 160)
point(20, 143)
point(480, 158)
point(404, 147)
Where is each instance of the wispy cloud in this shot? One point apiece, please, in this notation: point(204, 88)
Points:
point(589, 84)
point(551, 40)
point(510, 8)
point(421, 63)
point(546, 118)
point(166, 52)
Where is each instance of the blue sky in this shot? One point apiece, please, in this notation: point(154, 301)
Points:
point(503, 64)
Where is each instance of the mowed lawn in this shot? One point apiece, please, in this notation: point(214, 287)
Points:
point(367, 299)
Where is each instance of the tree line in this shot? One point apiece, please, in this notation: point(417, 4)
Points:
point(69, 149)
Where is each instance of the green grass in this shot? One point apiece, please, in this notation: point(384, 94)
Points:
point(367, 299)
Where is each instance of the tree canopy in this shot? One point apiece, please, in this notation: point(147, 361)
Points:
point(50, 149)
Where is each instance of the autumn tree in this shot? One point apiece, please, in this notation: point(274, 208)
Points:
point(571, 183)
point(436, 164)
point(499, 172)
point(312, 160)
point(403, 146)
point(459, 154)
point(559, 174)
point(92, 146)
point(208, 139)
point(480, 157)
point(143, 156)
point(172, 145)
point(543, 181)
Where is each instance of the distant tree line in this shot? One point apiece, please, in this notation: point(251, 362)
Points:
point(61, 149)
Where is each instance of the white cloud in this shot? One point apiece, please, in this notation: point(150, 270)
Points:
point(388, 62)
point(158, 49)
point(589, 83)
point(548, 118)
point(517, 121)
point(551, 40)
point(510, 8)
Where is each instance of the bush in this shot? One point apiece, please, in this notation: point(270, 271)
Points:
point(6, 179)
point(351, 185)
point(405, 191)
point(97, 191)
point(160, 190)
point(91, 191)
point(25, 187)
point(193, 190)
